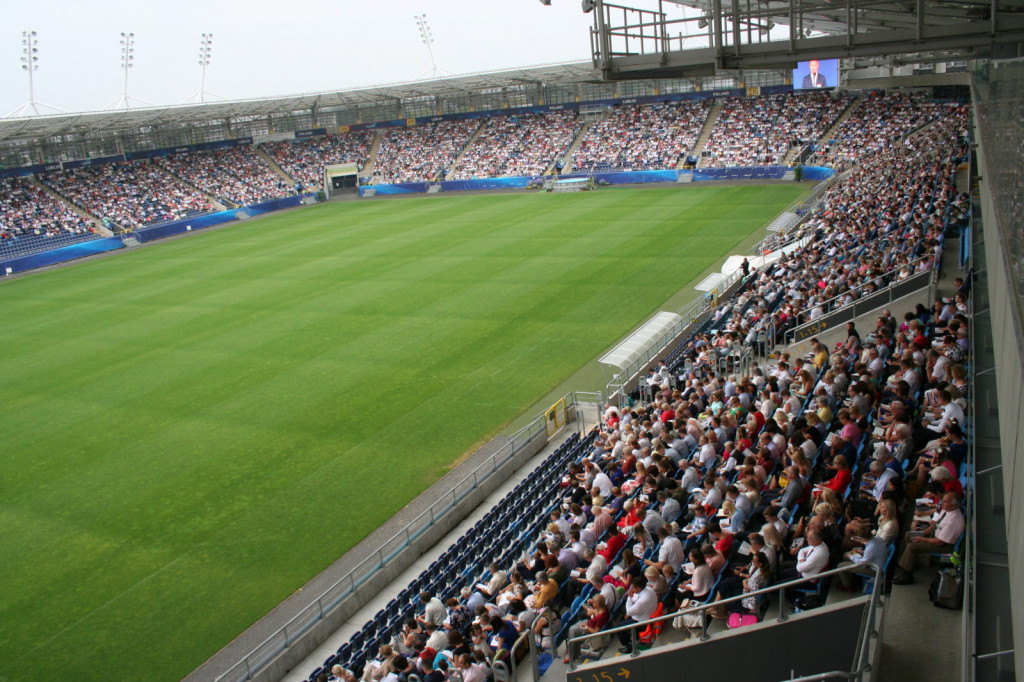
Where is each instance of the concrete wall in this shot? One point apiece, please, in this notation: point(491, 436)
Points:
point(1007, 346)
point(777, 651)
point(921, 81)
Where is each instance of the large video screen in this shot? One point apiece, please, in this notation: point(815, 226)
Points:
point(817, 73)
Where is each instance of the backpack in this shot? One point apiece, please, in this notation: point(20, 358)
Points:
point(947, 589)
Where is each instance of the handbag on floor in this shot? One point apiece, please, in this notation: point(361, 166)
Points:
point(947, 589)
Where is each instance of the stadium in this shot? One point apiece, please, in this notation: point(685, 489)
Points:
point(675, 361)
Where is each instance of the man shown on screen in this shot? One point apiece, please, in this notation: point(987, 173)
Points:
point(814, 79)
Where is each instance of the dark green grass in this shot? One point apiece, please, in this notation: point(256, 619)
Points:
point(195, 429)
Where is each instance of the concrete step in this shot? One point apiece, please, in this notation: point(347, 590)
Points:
point(371, 156)
point(462, 153)
point(705, 133)
point(274, 166)
point(567, 159)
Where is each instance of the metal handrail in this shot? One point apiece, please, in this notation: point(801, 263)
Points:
point(780, 588)
point(693, 314)
point(969, 671)
point(791, 334)
point(333, 596)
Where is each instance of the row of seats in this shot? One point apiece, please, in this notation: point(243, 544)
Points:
point(752, 130)
point(901, 202)
point(500, 536)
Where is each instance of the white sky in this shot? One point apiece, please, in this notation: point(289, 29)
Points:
point(263, 48)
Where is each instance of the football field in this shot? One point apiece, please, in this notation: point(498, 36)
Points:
point(196, 428)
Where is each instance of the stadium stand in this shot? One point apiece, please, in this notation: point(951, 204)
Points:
point(423, 153)
point(748, 131)
point(805, 459)
point(26, 209)
point(32, 220)
point(304, 160)
point(758, 131)
point(880, 120)
point(129, 194)
point(518, 145)
point(642, 137)
point(238, 176)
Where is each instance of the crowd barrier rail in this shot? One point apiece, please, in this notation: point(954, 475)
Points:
point(258, 658)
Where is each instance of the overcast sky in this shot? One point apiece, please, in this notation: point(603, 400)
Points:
point(263, 49)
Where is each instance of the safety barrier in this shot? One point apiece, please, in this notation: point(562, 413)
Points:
point(870, 295)
point(144, 234)
point(322, 606)
point(861, 662)
point(41, 259)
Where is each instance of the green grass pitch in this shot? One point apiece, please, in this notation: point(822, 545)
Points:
point(196, 428)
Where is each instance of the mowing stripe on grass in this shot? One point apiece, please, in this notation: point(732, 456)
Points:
point(197, 428)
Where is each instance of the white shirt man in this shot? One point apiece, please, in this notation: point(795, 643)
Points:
point(813, 557)
point(603, 484)
point(640, 603)
point(671, 552)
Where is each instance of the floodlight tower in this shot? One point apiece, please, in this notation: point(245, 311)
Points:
point(127, 62)
point(428, 40)
point(29, 64)
point(205, 49)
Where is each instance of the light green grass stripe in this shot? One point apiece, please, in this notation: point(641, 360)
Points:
point(200, 426)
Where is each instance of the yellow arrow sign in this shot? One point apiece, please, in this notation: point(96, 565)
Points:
point(623, 672)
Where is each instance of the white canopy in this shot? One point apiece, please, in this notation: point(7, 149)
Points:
point(711, 281)
point(642, 340)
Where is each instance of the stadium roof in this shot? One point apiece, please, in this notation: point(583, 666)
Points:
point(13, 129)
point(826, 16)
point(633, 41)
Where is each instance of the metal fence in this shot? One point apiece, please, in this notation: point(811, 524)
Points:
point(861, 662)
point(693, 315)
point(864, 303)
point(389, 550)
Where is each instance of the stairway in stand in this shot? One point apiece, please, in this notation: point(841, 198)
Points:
point(567, 157)
point(453, 167)
point(371, 157)
point(828, 134)
point(274, 166)
point(705, 133)
point(97, 224)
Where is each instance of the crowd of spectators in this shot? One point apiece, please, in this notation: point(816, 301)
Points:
point(749, 131)
point(759, 131)
point(518, 145)
point(721, 478)
point(642, 136)
point(129, 194)
point(304, 160)
point(881, 225)
point(422, 153)
point(27, 211)
point(238, 175)
point(880, 120)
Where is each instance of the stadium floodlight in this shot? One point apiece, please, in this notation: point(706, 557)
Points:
point(127, 62)
point(30, 64)
point(205, 49)
point(428, 39)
